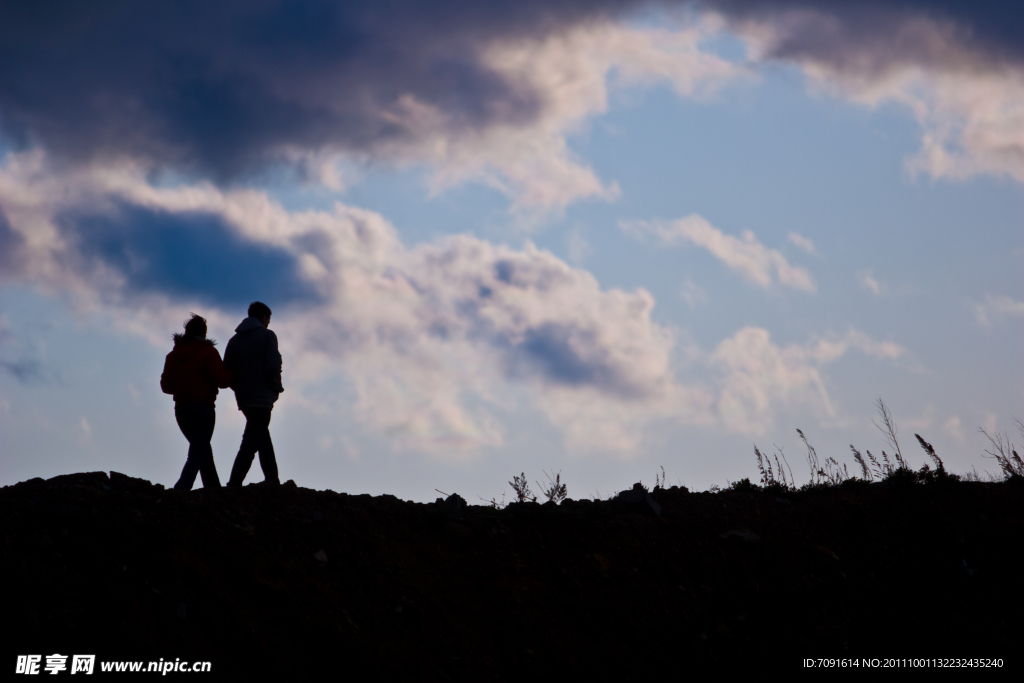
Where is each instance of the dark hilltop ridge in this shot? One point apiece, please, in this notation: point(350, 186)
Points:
point(288, 579)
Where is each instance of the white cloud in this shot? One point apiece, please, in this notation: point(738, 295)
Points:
point(997, 307)
point(569, 74)
point(972, 123)
point(867, 280)
point(759, 378)
point(802, 242)
point(970, 108)
point(755, 262)
point(828, 350)
point(972, 118)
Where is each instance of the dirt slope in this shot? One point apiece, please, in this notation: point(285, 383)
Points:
point(290, 579)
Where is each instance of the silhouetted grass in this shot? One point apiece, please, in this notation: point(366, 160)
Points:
point(773, 468)
point(774, 478)
point(890, 470)
point(1004, 453)
point(888, 429)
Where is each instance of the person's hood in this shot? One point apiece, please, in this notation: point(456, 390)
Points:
point(185, 347)
point(184, 341)
point(248, 325)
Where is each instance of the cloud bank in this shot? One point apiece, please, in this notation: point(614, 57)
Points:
point(426, 335)
point(437, 341)
point(485, 92)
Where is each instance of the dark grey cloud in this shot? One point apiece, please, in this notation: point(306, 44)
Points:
point(570, 353)
point(188, 255)
point(223, 88)
point(873, 34)
point(572, 356)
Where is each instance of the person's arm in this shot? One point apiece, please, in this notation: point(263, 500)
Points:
point(167, 379)
point(274, 363)
point(219, 371)
point(229, 364)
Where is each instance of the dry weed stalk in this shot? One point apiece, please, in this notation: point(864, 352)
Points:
point(1004, 453)
point(812, 460)
point(931, 453)
point(493, 502)
point(659, 481)
point(834, 473)
point(888, 429)
point(863, 465)
point(556, 490)
point(768, 476)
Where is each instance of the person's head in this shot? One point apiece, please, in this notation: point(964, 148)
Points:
point(260, 311)
point(196, 327)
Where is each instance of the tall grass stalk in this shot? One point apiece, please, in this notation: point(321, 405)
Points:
point(1002, 450)
point(812, 461)
point(888, 429)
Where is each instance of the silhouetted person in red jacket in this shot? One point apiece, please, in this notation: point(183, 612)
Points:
point(193, 372)
point(254, 362)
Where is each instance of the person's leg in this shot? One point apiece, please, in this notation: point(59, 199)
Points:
point(191, 468)
point(196, 423)
point(268, 462)
point(208, 468)
point(247, 450)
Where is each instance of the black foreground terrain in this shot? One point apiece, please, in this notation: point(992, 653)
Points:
point(293, 580)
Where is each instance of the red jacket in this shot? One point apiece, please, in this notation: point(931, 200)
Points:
point(193, 371)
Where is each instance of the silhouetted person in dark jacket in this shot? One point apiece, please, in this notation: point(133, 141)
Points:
point(255, 365)
point(193, 372)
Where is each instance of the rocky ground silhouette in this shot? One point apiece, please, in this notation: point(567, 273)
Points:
point(289, 579)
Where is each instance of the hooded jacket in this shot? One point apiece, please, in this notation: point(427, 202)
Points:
point(193, 371)
point(255, 365)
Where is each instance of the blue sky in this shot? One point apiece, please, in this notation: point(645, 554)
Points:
point(596, 241)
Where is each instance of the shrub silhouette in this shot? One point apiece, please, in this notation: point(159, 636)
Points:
point(743, 485)
point(556, 491)
point(522, 489)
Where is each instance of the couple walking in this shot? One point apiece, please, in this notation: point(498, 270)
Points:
point(193, 372)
